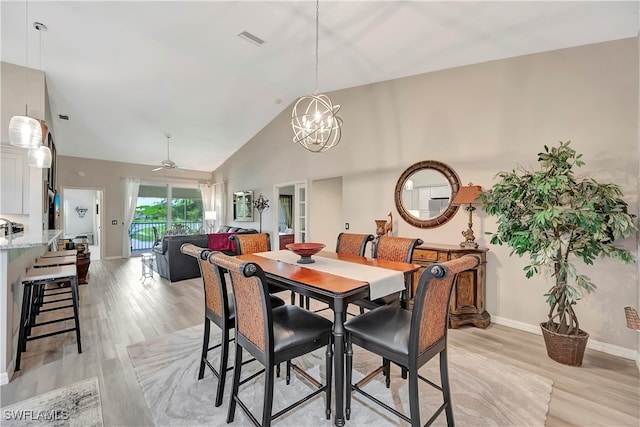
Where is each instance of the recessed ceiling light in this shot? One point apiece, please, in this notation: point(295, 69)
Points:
point(247, 36)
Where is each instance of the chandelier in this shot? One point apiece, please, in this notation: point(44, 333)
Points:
point(316, 126)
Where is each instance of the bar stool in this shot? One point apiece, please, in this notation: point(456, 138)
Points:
point(54, 254)
point(41, 291)
point(40, 276)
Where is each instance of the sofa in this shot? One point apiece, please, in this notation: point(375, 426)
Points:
point(172, 264)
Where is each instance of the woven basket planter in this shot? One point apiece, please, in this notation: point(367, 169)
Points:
point(565, 349)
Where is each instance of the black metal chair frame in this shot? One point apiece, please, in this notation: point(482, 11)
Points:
point(270, 358)
point(414, 360)
point(33, 301)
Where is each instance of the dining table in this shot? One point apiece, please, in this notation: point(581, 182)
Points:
point(338, 279)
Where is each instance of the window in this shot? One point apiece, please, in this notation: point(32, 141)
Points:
point(164, 207)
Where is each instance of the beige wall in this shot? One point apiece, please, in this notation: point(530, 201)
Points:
point(20, 85)
point(99, 174)
point(479, 119)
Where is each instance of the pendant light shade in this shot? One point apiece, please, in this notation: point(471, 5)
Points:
point(39, 157)
point(25, 131)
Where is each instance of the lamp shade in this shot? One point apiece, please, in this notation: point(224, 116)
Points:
point(39, 157)
point(467, 195)
point(25, 131)
point(210, 215)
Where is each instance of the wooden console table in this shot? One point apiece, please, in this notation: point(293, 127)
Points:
point(285, 239)
point(82, 265)
point(469, 293)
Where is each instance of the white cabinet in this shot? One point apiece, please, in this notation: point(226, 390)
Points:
point(14, 184)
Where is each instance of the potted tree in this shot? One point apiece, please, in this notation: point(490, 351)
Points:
point(556, 220)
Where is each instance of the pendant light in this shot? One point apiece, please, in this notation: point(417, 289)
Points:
point(315, 124)
point(40, 157)
point(25, 131)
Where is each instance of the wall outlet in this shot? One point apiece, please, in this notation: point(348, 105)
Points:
point(114, 222)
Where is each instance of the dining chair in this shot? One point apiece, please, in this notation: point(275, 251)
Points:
point(390, 248)
point(353, 244)
point(410, 338)
point(219, 309)
point(251, 243)
point(271, 335)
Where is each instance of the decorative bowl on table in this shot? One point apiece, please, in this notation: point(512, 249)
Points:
point(305, 250)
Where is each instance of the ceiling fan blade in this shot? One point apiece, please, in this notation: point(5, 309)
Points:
point(157, 169)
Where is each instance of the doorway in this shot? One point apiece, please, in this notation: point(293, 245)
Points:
point(81, 211)
point(290, 213)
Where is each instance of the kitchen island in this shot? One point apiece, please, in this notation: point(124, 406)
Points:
point(17, 253)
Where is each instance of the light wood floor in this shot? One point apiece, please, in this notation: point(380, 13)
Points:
point(118, 310)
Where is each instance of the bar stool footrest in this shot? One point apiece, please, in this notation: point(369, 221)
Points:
point(37, 337)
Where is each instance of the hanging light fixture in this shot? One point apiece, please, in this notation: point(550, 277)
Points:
point(25, 131)
point(314, 121)
point(40, 157)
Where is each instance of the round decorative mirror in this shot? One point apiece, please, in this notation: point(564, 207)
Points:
point(424, 193)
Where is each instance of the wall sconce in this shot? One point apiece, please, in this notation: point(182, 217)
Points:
point(81, 211)
point(468, 195)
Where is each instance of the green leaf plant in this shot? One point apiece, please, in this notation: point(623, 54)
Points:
point(555, 218)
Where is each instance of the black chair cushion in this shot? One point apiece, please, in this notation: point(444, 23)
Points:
point(386, 328)
point(295, 328)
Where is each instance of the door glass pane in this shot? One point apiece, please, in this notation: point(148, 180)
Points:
point(186, 210)
point(150, 220)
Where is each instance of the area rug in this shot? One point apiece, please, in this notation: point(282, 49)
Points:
point(484, 392)
point(74, 405)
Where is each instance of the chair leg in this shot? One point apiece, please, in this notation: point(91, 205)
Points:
point(288, 377)
point(386, 370)
point(205, 346)
point(414, 402)
point(23, 319)
point(222, 372)
point(349, 363)
point(446, 392)
point(268, 396)
point(329, 371)
point(237, 368)
point(75, 299)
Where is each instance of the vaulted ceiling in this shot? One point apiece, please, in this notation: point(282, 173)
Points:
point(128, 72)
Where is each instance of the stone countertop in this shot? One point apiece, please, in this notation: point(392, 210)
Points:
point(28, 239)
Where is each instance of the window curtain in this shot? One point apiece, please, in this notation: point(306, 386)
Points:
point(286, 203)
point(208, 193)
point(131, 187)
point(219, 204)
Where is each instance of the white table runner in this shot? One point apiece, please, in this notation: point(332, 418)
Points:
point(381, 281)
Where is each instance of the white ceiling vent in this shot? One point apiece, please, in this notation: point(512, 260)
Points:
point(247, 36)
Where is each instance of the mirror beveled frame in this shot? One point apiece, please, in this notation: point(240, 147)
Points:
point(454, 182)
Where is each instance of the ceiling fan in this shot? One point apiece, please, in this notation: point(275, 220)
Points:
point(168, 164)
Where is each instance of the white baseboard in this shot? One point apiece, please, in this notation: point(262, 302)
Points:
point(112, 257)
point(614, 350)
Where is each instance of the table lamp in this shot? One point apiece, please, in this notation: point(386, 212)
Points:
point(210, 217)
point(468, 195)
